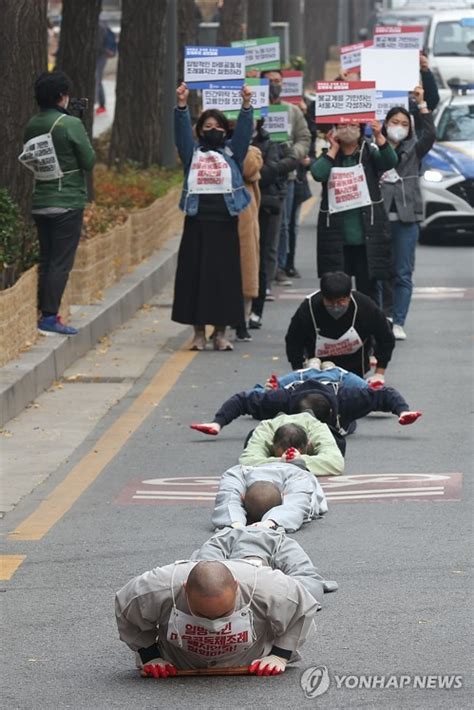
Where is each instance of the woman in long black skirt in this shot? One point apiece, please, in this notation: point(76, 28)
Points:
point(208, 284)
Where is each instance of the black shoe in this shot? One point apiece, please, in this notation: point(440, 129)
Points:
point(292, 272)
point(255, 322)
point(242, 334)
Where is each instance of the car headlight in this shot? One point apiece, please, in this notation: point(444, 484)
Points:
point(438, 175)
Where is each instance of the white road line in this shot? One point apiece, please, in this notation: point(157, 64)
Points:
point(387, 490)
point(386, 495)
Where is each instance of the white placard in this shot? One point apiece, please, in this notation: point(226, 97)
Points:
point(231, 99)
point(391, 69)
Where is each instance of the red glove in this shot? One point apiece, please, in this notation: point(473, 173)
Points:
point(268, 665)
point(290, 454)
point(409, 417)
point(376, 385)
point(213, 429)
point(273, 381)
point(158, 668)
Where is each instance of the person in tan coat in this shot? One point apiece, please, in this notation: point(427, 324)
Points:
point(249, 237)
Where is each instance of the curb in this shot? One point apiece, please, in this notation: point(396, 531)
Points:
point(22, 380)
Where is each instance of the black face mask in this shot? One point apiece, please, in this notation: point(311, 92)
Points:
point(275, 91)
point(213, 138)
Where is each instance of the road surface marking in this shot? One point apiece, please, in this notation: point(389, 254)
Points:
point(361, 487)
point(9, 565)
point(428, 293)
point(105, 449)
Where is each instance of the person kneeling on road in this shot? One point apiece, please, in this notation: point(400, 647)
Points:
point(270, 548)
point(208, 614)
point(294, 438)
point(339, 325)
point(271, 495)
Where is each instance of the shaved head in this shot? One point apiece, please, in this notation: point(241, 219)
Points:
point(211, 590)
point(287, 436)
point(259, 498)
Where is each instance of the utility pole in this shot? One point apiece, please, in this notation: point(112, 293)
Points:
point(267, 17)
point(168, 152)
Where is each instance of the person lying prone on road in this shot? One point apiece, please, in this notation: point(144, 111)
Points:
point(270, 495)
point(208, 614)
point(270, 548)
point(337, 409)
point(273, 441)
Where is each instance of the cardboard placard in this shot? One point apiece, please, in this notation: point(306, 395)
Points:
point(229, 99)
point(262, 54)
point(206, 65)
point(345, 101)
point(385, 100)
point(292, 90)
point(391, 69)
point(399, 37)
point(277, 123)
point(350, 55)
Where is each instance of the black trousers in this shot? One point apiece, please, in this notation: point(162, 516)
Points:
point(266, 221)
point(355, 264)
point(58, 236)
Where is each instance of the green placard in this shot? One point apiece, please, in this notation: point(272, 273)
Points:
point(277, 123)
point(262, 54)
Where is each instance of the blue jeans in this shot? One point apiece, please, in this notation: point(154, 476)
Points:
point(285, 224)
point(404, 239)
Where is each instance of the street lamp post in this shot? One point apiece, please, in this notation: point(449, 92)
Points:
point(168, 152)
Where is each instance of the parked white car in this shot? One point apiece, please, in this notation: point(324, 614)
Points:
point(449, 46)
point(447, 180)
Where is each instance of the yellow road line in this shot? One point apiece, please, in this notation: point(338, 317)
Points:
point(9, 565)
point(307, 207)
point(88, 469)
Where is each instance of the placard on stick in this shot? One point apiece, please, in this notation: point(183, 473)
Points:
point(277, 122)
point(205, 65)
point(345, 101)
point(385, 100)
point(292, 90)
point(229, 99)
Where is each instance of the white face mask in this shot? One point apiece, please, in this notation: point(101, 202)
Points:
point(397, 133)
point(348, 134)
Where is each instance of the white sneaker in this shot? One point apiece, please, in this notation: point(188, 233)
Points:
point(399, 333)
point(328, 365)
point(314, 362)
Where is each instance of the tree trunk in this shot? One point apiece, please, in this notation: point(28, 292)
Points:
point(136, 131)
point(281, 10)
point(188, 27)
point(258, 19)
point(23, 56)
point(233, 22)
point(78, 50)
point(320, 32)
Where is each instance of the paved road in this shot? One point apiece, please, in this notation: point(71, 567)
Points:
point(403, 605)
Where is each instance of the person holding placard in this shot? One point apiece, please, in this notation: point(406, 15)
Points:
point(208, 283)
point(353, 232)
point(403, 202)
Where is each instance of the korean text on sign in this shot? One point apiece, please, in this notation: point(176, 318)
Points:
point(262, 53)
point(277, 123)
point(205, 65)
point(385, 100)
point(398, 37)
point(292, 90)
point(345, 101)
point(229, 99)
point(199, 640)
point(350, 55)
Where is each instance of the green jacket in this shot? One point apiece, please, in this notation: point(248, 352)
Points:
point(325, 458)
point(74, 152)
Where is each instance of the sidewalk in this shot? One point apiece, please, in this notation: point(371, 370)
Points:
point(24, 378)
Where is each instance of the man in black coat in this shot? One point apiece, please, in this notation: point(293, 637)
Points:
point(340, 325)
